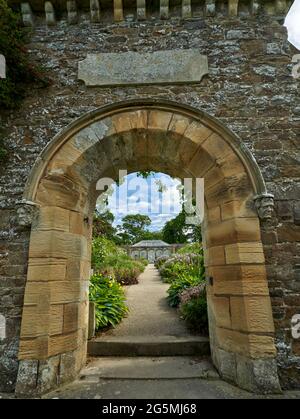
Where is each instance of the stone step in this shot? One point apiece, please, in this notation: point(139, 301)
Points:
point(150, 368)
point(160, 346)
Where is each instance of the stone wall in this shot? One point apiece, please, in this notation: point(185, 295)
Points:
point(249, 88)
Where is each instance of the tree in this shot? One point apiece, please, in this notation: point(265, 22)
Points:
point(152, 235)
point(174, 230)
point(177, 231)
point(133, 228)
point(103, 225)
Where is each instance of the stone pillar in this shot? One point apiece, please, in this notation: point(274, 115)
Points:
point(27, 15)
point(164, 9)
point(210, 8)
point(233, 6)
point(141, 9)
point(95, 11)
point(50, 14)
point(54, 327)
point(240, 313)
point(186, 9)
point(118, 10)
point(254, 7)
point(72, 12)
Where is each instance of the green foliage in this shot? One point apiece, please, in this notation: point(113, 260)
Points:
point(109, 299)
point(183, 282)
point(145, 174)
point(177, 231)
point(103, 225)
point(174, 267)
point(107, 258)
point(133, 228)
point(125, 270)
point(195, 314)
point(112, 267)
point(170, 272)
point(191, 248)
point(20, 71)
point(185, 272)
point(174, 230)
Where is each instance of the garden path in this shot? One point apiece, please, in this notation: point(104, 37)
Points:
point(155, 332)
point(150, 314)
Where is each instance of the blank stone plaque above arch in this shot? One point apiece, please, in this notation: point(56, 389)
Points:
point(133, 68)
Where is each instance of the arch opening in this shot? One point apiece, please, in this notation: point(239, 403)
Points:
point(163, 137)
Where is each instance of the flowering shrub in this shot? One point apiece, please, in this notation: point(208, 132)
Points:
point(182, 283)
point(193, 292)
point(186, 274)
point(160, 261)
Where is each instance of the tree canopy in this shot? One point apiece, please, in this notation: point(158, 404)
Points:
point(133, 228)
point(177, 231)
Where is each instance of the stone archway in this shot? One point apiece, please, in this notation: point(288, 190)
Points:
point(147, 135)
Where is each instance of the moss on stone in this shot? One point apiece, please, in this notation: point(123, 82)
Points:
point(20, 72)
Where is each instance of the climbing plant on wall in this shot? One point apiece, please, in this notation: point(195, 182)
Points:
point(20, 71)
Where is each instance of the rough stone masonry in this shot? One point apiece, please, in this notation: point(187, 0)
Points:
point(249, 88)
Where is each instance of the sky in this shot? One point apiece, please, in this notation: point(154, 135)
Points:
point(143, 194)
point(145, 197)
point(292, 22)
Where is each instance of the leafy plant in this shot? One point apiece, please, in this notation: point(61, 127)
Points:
point(191, 248)
point(20, 70)
point(192, 264)
point(109, 298)
point(182, 283)
point(195, 314)
point(107, 258)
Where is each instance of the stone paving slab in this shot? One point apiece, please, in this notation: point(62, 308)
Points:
point(158, 389)
point(149, 368)
point(150, 346)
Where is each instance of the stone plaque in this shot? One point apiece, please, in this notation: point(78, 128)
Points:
point(133, 68)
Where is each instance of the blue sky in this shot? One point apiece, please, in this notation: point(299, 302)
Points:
point(144, 197)
point(161, 207)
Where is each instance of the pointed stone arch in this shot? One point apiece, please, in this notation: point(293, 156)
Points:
point(145, 135)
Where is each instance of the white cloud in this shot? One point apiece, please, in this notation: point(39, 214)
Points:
point(292, 22)
point(141, 196)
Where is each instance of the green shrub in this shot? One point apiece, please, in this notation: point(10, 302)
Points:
point(107, 258)
point(20, 71)
point(160, 261)
point(170, 272)
point(191, 264)
point(191, 248)
point(182, 283)
point(195, 314)
point(101, 249)
point(109, 298)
